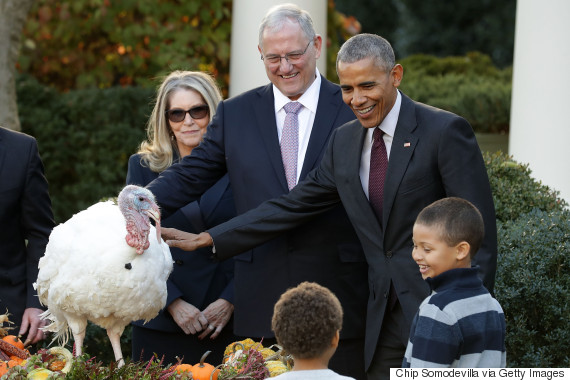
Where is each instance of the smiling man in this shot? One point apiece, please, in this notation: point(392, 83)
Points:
point(385, 167)
point(266, 151)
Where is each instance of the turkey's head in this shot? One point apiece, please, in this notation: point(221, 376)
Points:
point(138, 205)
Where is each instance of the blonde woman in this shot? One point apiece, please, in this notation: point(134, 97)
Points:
point(197, 316)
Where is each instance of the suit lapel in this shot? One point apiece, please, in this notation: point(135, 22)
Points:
point(403, 146)
point(327, 109)
point(265, 119)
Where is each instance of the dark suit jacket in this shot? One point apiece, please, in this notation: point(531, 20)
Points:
point(25, 214)
point(434, 155)
point(242, 141)
point(196, 278)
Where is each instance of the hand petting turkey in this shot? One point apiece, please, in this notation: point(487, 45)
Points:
point(185, 240)
point(190, 319)
point(218, 314)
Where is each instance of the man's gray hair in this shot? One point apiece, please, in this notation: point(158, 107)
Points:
point(279, 14)
point(363, 46)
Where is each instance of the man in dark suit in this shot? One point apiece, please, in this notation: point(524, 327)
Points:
point(26, 220)
point(431, 154)
point(243, 139)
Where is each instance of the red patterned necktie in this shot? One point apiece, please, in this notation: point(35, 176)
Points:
point(290, 142)
point(378, 166)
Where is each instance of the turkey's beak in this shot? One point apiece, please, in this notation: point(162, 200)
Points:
point(154, 213)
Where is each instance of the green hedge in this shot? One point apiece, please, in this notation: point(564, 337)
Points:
point(533, 265)
point(85, 139)
point(515, 192)
point(533, 287)
point(470, 86)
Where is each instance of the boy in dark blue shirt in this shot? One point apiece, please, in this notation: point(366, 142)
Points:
point(460, 324)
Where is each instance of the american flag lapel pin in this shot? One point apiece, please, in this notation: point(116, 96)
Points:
point(407, 145)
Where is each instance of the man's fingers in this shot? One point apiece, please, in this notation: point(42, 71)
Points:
point(168, 233)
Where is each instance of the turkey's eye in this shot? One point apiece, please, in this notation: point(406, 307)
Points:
point(141, 199)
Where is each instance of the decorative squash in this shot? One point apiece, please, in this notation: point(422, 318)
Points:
point(64, 359)
point(3, 368)
point(39, 374)
point(204, 371)
point(180, 368)
point(276, 367)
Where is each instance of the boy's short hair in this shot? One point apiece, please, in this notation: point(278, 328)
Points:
point(305, 320)
point(458, 219)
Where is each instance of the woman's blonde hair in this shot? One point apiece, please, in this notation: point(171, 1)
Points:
point(158, 150)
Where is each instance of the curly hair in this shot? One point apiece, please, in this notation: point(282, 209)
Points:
point(305, 320)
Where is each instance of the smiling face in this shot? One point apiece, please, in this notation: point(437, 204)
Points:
point(369, 90)
point(188, 132)
point(433, 255)
point(291, 79)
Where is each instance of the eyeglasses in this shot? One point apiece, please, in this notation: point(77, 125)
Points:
point(292, 58)
point(177, 115)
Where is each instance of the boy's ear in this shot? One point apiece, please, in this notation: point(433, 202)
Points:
point(463, 249)
point(335, 339)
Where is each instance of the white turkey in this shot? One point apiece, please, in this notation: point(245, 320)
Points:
point(107, 264)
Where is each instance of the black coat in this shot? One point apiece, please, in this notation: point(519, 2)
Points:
point(434, 155)
point(25, 215)
point(242, 141)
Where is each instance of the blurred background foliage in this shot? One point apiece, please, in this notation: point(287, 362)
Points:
point(89, 68)
point(469, 85)
point(440, 28)
point(85, 138)
point(72, 44)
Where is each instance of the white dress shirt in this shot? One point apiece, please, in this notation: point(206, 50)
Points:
point(309, 100)
point(388, 126)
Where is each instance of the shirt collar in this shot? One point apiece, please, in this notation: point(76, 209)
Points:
point(455, 278)
point(309, 99)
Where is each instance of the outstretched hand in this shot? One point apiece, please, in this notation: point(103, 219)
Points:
point(185, 240)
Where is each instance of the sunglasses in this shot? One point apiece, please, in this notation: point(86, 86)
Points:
point(177, 115)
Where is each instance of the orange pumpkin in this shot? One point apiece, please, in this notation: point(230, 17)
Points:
point(16, 359)
point(14, 341)
point(180, 368)
point(3, 368)
point(204, 371)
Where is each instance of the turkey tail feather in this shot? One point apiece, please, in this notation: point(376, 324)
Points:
point(57, 326)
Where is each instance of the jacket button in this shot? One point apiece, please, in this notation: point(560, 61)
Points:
point(389, 254)
point(385, 294)
point(179, 262)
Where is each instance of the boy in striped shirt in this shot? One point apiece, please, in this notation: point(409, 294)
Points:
point(459, 324)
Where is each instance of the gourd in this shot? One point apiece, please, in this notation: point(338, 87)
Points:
point(39, 374)
point(3, 368)
point(276, 367)
point(180, 368)
point(64, 359)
